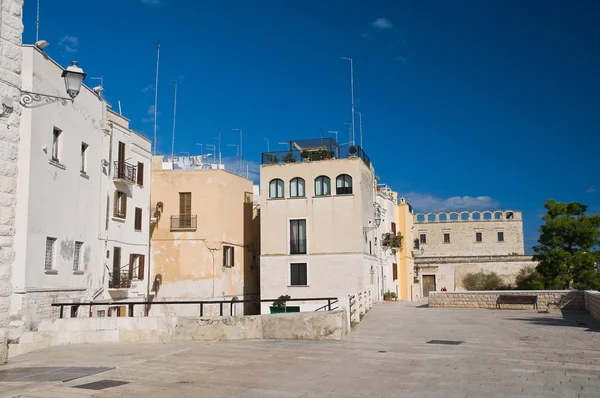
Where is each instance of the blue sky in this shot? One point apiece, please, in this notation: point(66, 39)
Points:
point(466, 104)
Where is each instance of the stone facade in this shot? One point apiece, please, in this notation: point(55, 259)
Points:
point(501, 233)
point(11, 30)
point(592, 303)
point(574, 299)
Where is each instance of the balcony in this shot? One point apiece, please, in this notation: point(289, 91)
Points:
point(184, 223)
point(315, 150)
point(298, 246)
point(125, 173)
point(119, 280)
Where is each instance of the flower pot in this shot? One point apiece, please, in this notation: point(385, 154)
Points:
point(387, 298)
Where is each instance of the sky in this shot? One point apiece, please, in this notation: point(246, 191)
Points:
point(466, 104)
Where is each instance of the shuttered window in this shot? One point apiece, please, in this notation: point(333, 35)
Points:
point(140, 174)
point(49, 263)
point(120, 205)
point(394, 228)
point(138, 219)
point(395, 271)
point(136, 266)
point(298, 275)
point(228, 256)
point(77, 256)
point(185, 209)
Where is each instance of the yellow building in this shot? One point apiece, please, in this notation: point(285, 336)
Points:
point(204, 237)
point(408, 290)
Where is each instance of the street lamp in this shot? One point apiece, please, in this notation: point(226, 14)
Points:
point(73, 76)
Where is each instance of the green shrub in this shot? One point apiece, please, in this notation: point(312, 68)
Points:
point(484, 281)
point(529, 279)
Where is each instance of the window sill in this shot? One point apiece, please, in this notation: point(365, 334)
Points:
point(51, 272)
point(119, 219)
point(276, 199)
point(322, 196)
point(344, 194)
point(183, 229)
point(137, 230)
point(297, 254)
point(57, 164)
point(297, 197)
point(298, 285)
point(77, 272)
point(84, 175)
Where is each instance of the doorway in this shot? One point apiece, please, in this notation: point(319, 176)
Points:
point(428, 284)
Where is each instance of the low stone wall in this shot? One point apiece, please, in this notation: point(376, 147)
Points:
point(292, 326)
point(574, 299)
point(592, 303)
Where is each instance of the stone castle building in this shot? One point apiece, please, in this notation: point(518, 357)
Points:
point(449, 245)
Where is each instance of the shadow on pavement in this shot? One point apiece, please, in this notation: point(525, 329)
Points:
point(570, 318)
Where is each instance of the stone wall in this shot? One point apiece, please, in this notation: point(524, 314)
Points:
point(11, 30)
point(574, 299)
point(592, 303)
point(292, 326)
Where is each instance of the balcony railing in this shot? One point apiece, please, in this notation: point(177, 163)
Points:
point(125, 172)
point(184, 222)
point(315, 154)
point(298, 246)
point(119, 280)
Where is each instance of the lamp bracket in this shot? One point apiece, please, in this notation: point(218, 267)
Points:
point(35, 100)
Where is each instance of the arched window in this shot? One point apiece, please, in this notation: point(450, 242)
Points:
point(276, 188)
point(343, 184)
point(322, 186)
point(297, 188)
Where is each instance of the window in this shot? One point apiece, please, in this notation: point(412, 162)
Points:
point(116, 274)
point(140, 174)
point(394, 228)
point(423, 239)
point(297, 236)
point(343, 185)
point(500, 236)
point(49, 263)
point(276, 189)
point(185, 209)
point(77, 256)
point(228, 256)
point(322, 186)
point(446, 238)
point(395, 271)
point(136, 266)
point(138, 219)
point(84, 148)
point(120, 205)
point(298, 274)
point(55, 143)
point(478, 237)
point(416, 244)
point(297, 188)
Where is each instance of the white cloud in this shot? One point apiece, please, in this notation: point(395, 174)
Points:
point(148, 88)
point(69, 43)
point(151, 2)
point(150, 118)
point(592, 189)
point(382, 23)
point(365, 35)
point(401, 58)
point(428, 203)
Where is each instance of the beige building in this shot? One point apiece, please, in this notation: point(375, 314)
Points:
point(407, 288)
point(204, 237)
point(317, 223)
point(449, 245)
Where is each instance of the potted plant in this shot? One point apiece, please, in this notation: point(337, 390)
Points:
point(306, 155)
point(352, 151)
point(323, 154)
point(279, 306)
point(289, 158)
point(389, 296)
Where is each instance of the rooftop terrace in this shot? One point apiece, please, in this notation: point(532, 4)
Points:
point(315, 150)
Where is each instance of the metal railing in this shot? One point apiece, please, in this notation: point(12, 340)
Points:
point(295, 156)
point(221, 303)
point(119, 280)
point(328, 306)
point(352, 300)
point(184, 222)
point(125, 171)
point(298, 246)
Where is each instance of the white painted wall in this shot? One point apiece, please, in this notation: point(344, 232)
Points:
point(54, 198)
point(387, 257)
point(339, 254)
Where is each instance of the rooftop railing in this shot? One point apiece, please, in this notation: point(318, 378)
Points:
point(295, 155)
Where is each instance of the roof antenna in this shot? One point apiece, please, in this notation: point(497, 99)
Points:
point(37, 23)
point(120, 112)
point(156, 93)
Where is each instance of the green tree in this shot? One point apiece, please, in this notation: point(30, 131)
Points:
point(529, 279)
point(484, 281)
point(567, 250)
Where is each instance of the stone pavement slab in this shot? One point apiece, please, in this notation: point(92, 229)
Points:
point(506, 353)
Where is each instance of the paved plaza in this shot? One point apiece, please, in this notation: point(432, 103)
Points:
point(505, 353)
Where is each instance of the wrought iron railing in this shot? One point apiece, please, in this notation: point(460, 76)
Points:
point(119, 280)
point(184, 222)
point(125, 171)
point(298, 246)
point(308, 155)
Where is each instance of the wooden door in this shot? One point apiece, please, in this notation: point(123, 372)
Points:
point(428, 284)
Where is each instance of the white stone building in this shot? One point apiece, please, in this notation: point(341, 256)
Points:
point(11, 29)
point(76, 157)
point(449, 245)
point(317, 207)
point(387, 270)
